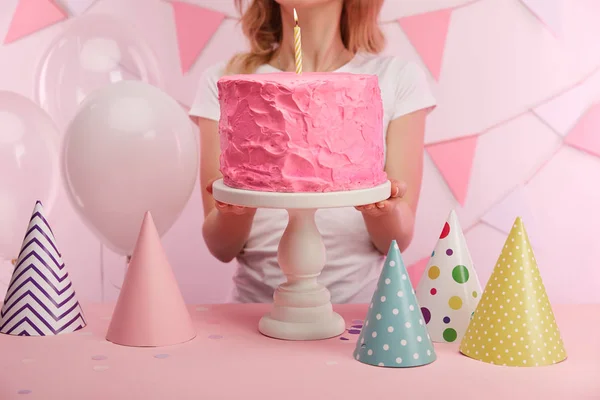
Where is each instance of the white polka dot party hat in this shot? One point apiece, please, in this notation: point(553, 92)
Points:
point(394, 333)
point(449, 289)
point(513, 324)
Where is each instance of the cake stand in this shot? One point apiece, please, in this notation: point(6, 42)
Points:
point(302, 307)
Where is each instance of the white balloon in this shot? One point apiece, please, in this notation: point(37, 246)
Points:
point(130, 149)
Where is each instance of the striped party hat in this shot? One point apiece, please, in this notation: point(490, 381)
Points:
point(40, 300)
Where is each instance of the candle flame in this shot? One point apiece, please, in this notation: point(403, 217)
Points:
point(295, 17)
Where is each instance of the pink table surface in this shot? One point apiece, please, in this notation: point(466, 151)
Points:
point(229, 359)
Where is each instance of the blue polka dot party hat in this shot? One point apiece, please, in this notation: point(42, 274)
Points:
point(449, 289)
point(394, 333)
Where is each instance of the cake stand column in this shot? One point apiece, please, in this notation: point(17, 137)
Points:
point(302, 307)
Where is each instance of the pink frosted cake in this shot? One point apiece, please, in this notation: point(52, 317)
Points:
point(315, 132)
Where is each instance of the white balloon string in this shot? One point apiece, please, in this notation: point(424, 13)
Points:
point(127, 261)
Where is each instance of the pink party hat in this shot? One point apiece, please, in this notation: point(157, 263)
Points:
point(40, 300)
point(150, 311)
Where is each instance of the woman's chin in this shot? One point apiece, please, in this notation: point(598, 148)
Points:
point(300, 4)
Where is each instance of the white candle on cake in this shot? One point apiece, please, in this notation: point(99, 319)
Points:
point(297, 44)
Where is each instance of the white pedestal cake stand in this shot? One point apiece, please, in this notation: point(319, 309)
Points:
point(302, 307)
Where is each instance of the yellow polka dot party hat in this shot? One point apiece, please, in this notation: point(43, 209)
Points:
point(449, 289)
point(513, 324)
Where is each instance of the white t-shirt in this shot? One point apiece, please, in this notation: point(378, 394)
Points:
point(353, 264)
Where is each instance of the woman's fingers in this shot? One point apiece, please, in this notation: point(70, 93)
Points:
point(398, 188)
point(402, 189)
point(221, 206)
point(229, 208)
point(239, 210)
point(209, 185)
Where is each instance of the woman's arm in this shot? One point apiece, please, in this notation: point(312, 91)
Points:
point(226, 228)
point(395, 218)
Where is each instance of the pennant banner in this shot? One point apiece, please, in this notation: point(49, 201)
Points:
point(549, 12)
point(585, 135)
point(415, 271)
point(195, 26)
point(561, 113)
point(77, 7)
point(427, 32)
point(515, 204)
point(32, 16)
point(454, 159)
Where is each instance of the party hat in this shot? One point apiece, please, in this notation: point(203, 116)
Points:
point(40, 300)
point(514, 324)
point(150, 310)
point(449, 289)
point(394, 334)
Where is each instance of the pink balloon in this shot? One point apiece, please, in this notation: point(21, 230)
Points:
point(130, 149)
point(29, 143)
point(95, 50)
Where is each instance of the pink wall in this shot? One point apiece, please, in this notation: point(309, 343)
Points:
point(504, 76)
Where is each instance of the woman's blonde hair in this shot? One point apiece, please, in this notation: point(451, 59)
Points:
point(261, 24)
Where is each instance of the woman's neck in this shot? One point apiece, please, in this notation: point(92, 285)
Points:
point(322, 46)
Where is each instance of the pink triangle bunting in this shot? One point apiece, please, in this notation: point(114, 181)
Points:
point(195, 26)
point(32, 16)
point(454, 159)
point(585, 135)
point(415, 271)
point(548, 12)
point(77, 7)
point(427, 32)
point(516, 204)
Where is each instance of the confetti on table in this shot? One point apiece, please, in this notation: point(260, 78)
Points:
point(161, 356)
point(99, 358)
point(24, 391)
point(100, 368)
point(215, 337)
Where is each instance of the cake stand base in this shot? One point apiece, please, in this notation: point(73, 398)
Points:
point(302, 307)
point(333, 325)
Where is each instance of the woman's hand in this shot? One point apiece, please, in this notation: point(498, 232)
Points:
point(225, 208)
point(397, 192)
